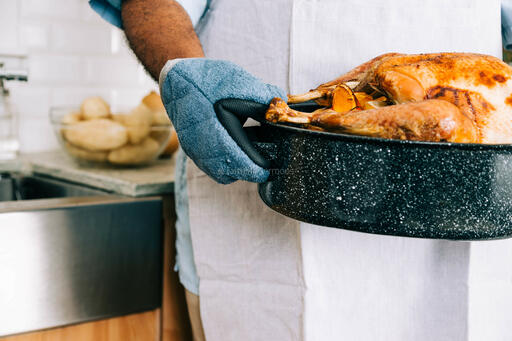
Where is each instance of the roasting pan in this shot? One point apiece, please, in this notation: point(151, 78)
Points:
point(392, 187)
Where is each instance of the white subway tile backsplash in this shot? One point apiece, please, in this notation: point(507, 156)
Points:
point(36, 134)
point(55, 69)
point(145, 79)
point(123, 100)
point(61, 9)
point(113, 71)
point(88, 15)
point(72, 54)
point(34, 36)
point(119, 45)
point(115, 41)
point(80, 39)
point(9, 25)
point(11, 62)
point(29, 100)
point(125, 48)
point(73, 96)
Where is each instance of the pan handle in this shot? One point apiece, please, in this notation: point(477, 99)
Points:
point(232, 114)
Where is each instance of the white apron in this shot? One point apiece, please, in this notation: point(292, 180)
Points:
point(267, 277)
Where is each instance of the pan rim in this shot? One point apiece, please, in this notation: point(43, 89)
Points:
point(390, 142)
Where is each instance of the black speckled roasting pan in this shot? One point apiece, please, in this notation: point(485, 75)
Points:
point(392, 187)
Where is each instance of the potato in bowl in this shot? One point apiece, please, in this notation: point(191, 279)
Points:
point(92, 133)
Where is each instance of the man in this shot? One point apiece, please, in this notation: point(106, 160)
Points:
point(264, 276)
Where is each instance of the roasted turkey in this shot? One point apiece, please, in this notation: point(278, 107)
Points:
point(454, 97)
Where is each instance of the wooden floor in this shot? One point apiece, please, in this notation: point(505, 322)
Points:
point(136, 327)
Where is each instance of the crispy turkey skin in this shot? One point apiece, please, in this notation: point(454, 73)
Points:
point(479, 85)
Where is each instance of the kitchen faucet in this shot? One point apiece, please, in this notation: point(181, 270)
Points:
point(6, 74)
point(9, 144)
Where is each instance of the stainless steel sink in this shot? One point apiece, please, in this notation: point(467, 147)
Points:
point(30, 187)
point(69, 253)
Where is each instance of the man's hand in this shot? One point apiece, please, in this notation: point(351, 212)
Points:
point(159, 30)
point(190, 88)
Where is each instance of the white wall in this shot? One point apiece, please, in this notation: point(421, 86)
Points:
point(71, 53)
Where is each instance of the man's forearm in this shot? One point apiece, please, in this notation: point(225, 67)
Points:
point(159, 30)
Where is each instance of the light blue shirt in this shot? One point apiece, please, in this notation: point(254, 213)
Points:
point(110, 10)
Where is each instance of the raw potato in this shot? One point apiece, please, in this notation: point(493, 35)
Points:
point(138, 123)
point(135, 137)
point(95, 107)
point(154, 102)
point(97, 135)
point(85, 154)
point(147, 150)
point(118, 117)
point(71, 118)
point(160, 118)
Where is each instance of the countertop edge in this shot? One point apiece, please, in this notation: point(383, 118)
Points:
point(127, 182)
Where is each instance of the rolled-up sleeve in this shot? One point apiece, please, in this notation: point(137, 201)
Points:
point(110, 10)
point(506, 23)
point(195, 8)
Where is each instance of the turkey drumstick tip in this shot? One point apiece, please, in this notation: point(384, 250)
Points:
point(279, 111)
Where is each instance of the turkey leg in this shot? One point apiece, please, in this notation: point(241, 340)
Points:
point(430, 120)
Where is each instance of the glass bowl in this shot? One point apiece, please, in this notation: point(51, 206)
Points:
point(118, 139)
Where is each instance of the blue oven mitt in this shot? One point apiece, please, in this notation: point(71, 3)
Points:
point(189, 89)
